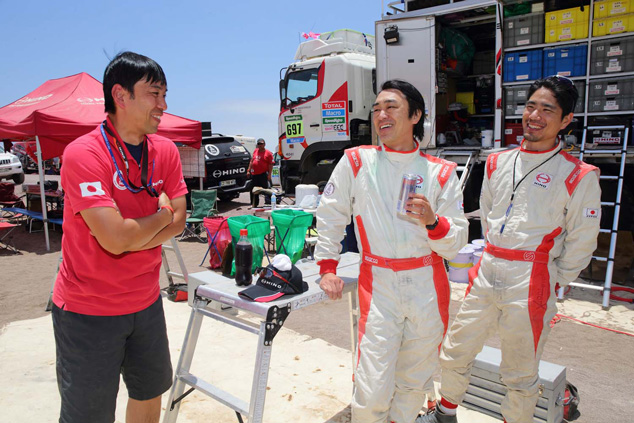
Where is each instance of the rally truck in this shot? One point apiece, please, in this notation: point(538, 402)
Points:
point(326, 96)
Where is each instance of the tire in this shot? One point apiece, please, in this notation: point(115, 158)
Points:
point(18, 178)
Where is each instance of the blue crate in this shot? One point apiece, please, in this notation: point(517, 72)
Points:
point(523, 65)
point(567, 61)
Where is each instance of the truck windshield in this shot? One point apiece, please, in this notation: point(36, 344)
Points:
point(301, 86)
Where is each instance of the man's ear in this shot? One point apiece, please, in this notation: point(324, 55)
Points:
point(566, 121)
point(119, 95)
point(417, 116)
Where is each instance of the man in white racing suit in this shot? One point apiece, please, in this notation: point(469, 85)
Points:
point(540, 210)
point(403, 287)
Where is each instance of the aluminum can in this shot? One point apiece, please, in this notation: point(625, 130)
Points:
point(408, 187)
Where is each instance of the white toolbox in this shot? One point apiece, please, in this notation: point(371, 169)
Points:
point(486, 390)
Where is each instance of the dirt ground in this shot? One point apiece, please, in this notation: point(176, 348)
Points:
point(599, 362)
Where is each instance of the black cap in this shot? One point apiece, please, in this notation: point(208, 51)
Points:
point(260, 141)
point(273, 283)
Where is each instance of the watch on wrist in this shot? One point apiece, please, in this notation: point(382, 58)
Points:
point(433, 225)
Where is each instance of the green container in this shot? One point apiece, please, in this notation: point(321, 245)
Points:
point(290, 231)
point(258, 228)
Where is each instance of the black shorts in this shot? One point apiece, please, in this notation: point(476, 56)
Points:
point(93, 350)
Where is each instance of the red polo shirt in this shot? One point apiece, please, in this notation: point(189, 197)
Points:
point(262, 160)
point(91, 280)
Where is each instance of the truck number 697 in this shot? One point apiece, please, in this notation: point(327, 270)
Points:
point(294, 129)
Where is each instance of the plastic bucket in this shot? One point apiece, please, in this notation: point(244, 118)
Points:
point(477, 244)
point(487, 138)
point(459, 266)
point(258, 228)
point(477, 255)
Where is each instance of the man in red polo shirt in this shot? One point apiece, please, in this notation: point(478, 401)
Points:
point(125, 196)
point(260, 170)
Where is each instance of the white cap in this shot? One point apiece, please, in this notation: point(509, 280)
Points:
point(282, 262)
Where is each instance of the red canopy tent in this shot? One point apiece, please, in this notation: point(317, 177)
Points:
point(61, 110)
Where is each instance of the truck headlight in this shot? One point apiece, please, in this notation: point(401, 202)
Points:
point(15, 159)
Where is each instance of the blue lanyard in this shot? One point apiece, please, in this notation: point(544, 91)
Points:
point(126, 181)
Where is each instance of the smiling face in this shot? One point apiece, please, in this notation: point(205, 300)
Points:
point(141, 111)
point(390, 116)
point(542, 121)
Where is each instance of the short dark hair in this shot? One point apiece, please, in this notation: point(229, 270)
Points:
point(415, 101)
point(126, 69)
point(563, 90)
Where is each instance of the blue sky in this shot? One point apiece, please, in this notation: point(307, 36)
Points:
point(222, 58)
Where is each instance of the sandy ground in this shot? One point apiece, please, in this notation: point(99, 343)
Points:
point(311, 366)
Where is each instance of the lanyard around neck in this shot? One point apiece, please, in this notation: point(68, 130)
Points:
point(515, 186)
point(145, 186)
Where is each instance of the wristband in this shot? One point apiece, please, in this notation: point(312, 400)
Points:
point(168, 208)
point(433, 225)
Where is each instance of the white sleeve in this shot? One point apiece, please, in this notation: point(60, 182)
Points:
point(451, 234)
point(583, 217)
point(334, 212)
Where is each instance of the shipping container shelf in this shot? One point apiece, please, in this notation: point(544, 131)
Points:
point(482, 75)
point(486, 115)
point(610, 112)
point(574, 78)
point(613, 36)
point(542, 45)
point(609, 75)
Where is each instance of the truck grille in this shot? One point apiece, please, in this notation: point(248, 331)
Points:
point(5, 161)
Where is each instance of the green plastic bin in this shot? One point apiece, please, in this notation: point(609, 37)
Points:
point(290, 231)
point(257, 228)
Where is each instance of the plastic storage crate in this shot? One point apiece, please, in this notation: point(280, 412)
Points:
point(483, 62)
point(566, 61)
point(484, 95)
point(466, 99)
point(567, 24)
point(615, 25)
point(612, 56)
point(610, 8)
point(581, 89)
point(513, 133)
point(611, 95)
point(524, 30)
point(515, 99)
point(523, 65)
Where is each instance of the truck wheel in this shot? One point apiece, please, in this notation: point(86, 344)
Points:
point(18, 179)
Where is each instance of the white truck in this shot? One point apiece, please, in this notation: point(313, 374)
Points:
point(326, 96)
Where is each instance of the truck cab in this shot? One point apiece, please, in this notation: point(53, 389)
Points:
point(326, 97)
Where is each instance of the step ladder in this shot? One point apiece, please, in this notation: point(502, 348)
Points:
point(183, 274)
point(465, 161)
point(620, 155)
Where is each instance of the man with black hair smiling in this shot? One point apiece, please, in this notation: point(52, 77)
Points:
point(540, 211)
point(125, 196)
point(403, 287)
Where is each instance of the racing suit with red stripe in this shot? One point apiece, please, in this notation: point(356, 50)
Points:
point(546, 237)
point(403, 287)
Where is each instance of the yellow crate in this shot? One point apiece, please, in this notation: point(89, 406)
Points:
point(568, 32)
point(615, 25)
point(466, 98)
point(610, 8)
point(567, 17)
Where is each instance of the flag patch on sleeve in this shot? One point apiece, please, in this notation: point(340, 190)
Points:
point(88, 189)
point(592, 213)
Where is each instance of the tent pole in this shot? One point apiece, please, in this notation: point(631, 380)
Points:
point(40, 171)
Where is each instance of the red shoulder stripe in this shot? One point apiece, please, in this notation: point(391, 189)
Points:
point(445, 170)
point(355, 160)
point(581, 169)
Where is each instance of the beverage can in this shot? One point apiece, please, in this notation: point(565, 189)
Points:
point(408, 187)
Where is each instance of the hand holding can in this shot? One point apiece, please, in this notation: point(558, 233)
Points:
point(408, 188)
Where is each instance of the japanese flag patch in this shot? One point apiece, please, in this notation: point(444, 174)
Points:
point(88, 189)
point(592, 213)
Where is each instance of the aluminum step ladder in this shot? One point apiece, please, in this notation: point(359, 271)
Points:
point(465, 161)
point(183, 275)
point(620, 155)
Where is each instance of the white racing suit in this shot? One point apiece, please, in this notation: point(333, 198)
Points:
point(549, 236)
point(403, 288)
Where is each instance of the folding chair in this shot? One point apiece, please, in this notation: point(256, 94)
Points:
point(219, 237)
point(290, 231)
point(5, 245)
point(203, 205)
